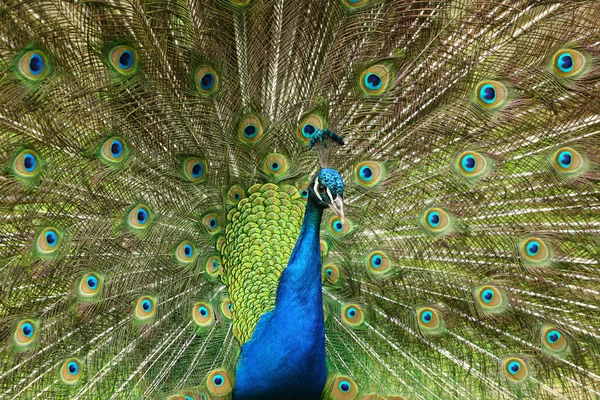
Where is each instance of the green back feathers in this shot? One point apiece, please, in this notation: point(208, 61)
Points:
point(261, 233)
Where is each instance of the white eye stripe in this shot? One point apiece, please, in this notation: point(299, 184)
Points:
point(315, 187)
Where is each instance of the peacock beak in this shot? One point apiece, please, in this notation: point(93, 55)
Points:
point(338, 207)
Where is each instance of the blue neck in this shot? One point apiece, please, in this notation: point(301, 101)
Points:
point(300, 283)
point(286, 356)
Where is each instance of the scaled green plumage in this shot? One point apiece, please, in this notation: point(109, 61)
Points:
point(467, 268)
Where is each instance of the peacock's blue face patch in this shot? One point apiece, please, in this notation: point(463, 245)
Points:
point(333, 180)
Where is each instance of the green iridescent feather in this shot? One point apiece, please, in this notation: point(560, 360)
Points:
point(512, 83)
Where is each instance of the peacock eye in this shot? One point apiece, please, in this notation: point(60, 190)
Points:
point(322, 189)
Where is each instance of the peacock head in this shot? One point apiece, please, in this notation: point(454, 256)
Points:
point(327, 189)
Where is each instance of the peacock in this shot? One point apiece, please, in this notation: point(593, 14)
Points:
point(309, 199)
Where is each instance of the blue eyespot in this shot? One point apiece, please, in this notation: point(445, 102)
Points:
point(147, 305)
point(344, 386)
point(92, 282)
point(250, 131)
point(203, 311)
point(351, 312)
point(237, 196)
point(565, 158)
point(197, 170)
point(329, 272)
point(29, 162)
point(487, 93)
point(188, 251)
point(366, 173)
point(215, 264)
point(373, 81)
point(207, 81)
point(532, 248)
point(565, 62)
point(116, 148)
point(73, 368)
point(27, 329)
point(514, 367)
point(433, 219)
point(338, 226)
point(275, 166)
point(426, 317)
point(304, 194)
point(213, 222)
point(376, 261)
point(468, 163)
point(126, 59)
point(553, 336)
point(218, 380)
point(487, 295)
point(229, 306)
point(36, 64)
point(308, 130)
point(51, 238)
point(142, 216)
point(191, 398)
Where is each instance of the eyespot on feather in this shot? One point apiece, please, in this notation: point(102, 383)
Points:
point(429, 320)
point(235, 194)
point(139, 218)
point(569, 63)
point(437, 221)
point(490, 299)
point(203, 314)
point(113, 151)
point(303, 189)
point(343, 388)
point(48, 242)
point(472, 165)
point(515, 369)
point(250, 129)
point(353, 315)
point(219, 383)
point(71, 371)
point(276, 165)
point(535, 251)
point(123, 59)
point(189, 395)
point(339, 228)
point(378, 263)
point(309, 126)
point(207, 80)
point(194, 170)
point(185, 253)
point(26, 165)
point(212, 266)
point(226, 306)
point(211, 223)
point(33, 65)
point(324, 247)
point(145, 309)
point(554, 341)
point(369, 174)
point(330, 273)
point(491, 94)
point(25, 334)
point(90, 286)
point(568, 161)
point(354, 3)
point(375, 79)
